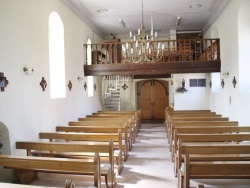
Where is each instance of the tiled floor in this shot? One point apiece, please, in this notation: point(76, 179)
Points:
point(148, 166)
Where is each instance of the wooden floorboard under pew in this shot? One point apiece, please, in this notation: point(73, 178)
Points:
point(186, 139)
point(103, 137)
point(112, 121)
point(196, 124)
point(137, 114)
point(27, 167)
point(126, 139)
point(74, 150)
point(130, 118)
point(214, 161)
point(173, 122)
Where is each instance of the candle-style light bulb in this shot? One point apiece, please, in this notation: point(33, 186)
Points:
point(163, 46)
point(136, 44)
point(130, 34)
point(126, 45)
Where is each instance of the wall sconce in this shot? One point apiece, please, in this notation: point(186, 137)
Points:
point(210, 84)
point(234, 82)
point(183, 83)
point(171, 80)
point(225, 74)
point(43, 84)
point(70, 85)
point(26, 70)
point(85, 86)
point(3, 81)
point(124, 86)
point(222, 83)
point(80, 79)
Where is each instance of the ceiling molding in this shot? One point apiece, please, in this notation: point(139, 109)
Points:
point(214, 15)
point(83, 16)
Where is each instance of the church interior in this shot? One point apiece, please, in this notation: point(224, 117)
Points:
point(124, 94)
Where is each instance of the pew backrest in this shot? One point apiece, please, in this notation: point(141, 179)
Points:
point(103, 137)
point(56, 165)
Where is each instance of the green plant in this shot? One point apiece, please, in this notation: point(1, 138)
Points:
point(181, 90)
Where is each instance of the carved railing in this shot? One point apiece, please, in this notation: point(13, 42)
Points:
point(191, 50)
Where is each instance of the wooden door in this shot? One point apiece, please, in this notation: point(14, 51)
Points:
point(152, 99)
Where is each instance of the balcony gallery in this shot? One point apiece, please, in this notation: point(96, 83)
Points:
point(152, 57)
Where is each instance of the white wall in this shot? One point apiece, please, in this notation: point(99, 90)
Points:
point(228, 31)
point(196, 98)
point(24, 108)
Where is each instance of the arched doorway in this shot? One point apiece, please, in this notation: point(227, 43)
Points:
point(153, 98)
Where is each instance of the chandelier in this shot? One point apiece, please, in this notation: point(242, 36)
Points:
point(143, 47)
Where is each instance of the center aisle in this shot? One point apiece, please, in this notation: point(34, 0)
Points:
point(149, 163)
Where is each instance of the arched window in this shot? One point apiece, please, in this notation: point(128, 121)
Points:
point(90, 79)
point(244, 40)
point(56, 57)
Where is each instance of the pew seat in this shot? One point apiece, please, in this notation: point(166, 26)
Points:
point(213, 170)
point(74, 150)
point(27, 167)
point(211, 153)
point(87, 137)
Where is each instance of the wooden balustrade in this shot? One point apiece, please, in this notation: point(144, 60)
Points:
point(200, 55)
point(175, 50)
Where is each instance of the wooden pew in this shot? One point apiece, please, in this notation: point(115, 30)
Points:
point(175, 115)
point(168, 112)
point(68, 184)
point(186, 115)
point(207, 130)
point(136, 112)
point(129, 118)
point(74, 150)
point(130, 115)
point(27, 167)
point(189, 139)
point(204, 123)
point(180, 124)
point(194, 118)
point(214, 161)
point(108, 122)
point(99, 137)
point(220, 169)
point(126, 140)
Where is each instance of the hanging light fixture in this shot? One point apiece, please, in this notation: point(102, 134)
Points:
point(142, 47)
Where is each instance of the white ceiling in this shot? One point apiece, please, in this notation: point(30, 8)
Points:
point(164, 13)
